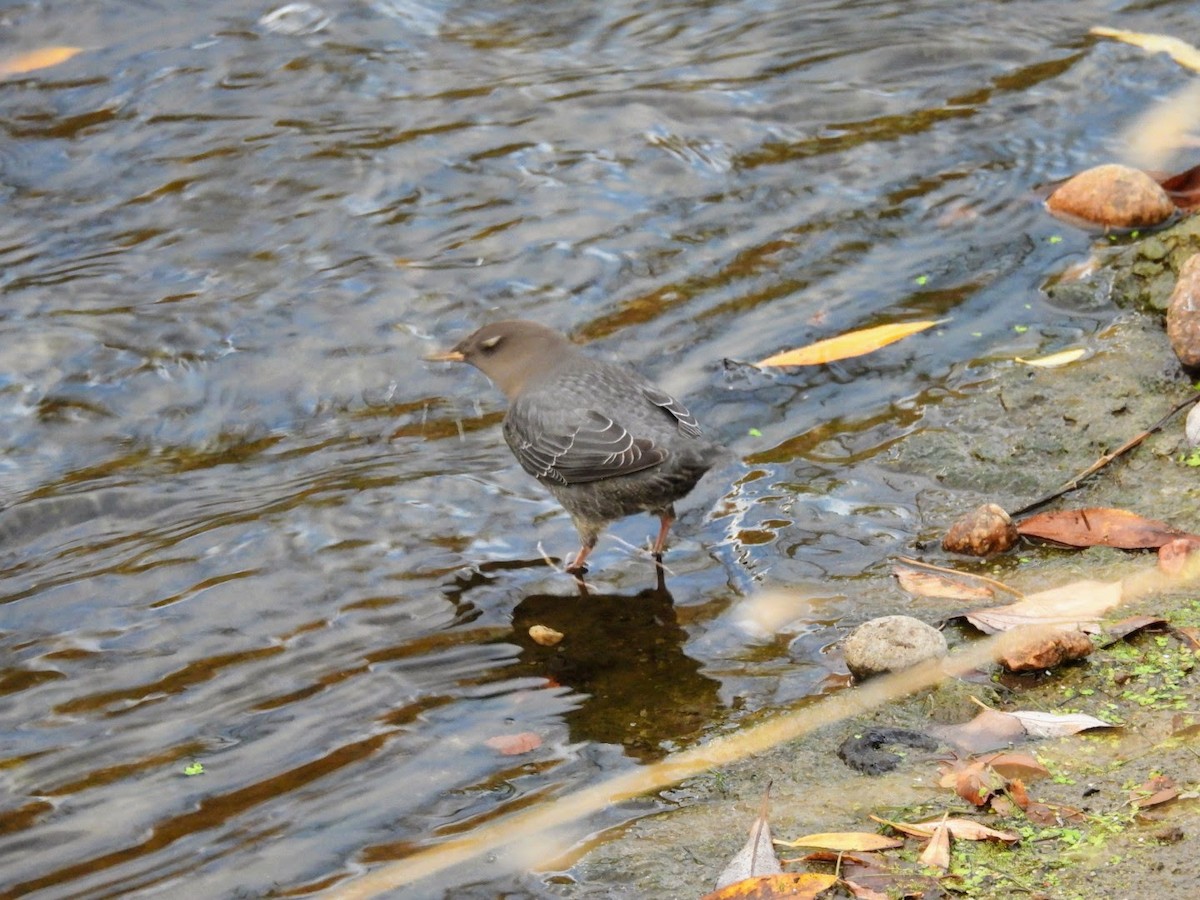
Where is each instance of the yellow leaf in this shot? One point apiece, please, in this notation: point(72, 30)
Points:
point(1054, 359)
point(844, 346)
point(37, 59)
point(844, 841)
point(1180, 51)
point(789, 885)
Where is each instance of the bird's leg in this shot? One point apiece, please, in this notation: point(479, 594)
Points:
point(665, 518)
point(589, 539)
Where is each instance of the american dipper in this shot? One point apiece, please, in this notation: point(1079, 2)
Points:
point(606, 442)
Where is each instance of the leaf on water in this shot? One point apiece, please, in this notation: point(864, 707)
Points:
point(934, 585)
point(937, 851)
point(1099, 527)
point(844, 841)
point(844, 346)
point(514, 744)
point(1080, 604)
point(757, 856)
point(1046, 725)
point(1184, 188)
point(781, 886)
point(990, 730)
point(1180, 51)
point(37, 59)
point(1054, 359)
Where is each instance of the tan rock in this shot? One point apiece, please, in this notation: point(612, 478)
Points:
point(1112, 196)
point(981, 532)
point(1183, 314)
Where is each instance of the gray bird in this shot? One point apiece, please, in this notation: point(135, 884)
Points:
point(606, 442)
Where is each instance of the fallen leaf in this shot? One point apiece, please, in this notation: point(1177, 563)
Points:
point(1015, 765)
point(962, 829)
point(1080, 604)
point(934, 585)
point(1017, 793)
point(1019, 653)
point(844, 346)
point(989, 730)
point(1047, 814)
point(37, 59)
point(1190, 635)
point(1116, 631)
point(1158, 789)
point(757, 856)
point(937, 852)
point(545, 635)
point(844, 840)
point(862, 892)
point(514, 744)
point(1046, 725)
point(1175, 556)
point(1099, 527)
point(1054, 360)
point(1180, 51)
point(780, 886)
point(1184, 188)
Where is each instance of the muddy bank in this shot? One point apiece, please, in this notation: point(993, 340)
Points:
point(1015, 434)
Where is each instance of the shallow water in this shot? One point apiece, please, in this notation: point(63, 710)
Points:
point(245, 525)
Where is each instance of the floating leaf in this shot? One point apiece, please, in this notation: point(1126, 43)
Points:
point(37, 59)
point(1054, 359)
point(844, 841)
point(1099, 527)
point(844, 346)
point(1180, 51)
point(1080, 604)
point(757, 856)
point(935, 585)
point(514, 744)
point(193, 768)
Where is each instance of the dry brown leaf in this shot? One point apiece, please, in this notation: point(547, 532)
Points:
point(1175, 556)
point(1184, 188)
point(862, 892)
point(844, 840)
point(1189, 635)
point(780, 886)
point(937, 851)
point(757, 856)
point(514, 744)
point(844, 346)
point(37, 59)
point(1080, 604)
point(1099, 527)
point(965, 829)
point(933, 585)
point(970, 830)
point(1015, 765)
point(1158, 789)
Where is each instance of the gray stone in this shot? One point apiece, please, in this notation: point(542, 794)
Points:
point(891, 643)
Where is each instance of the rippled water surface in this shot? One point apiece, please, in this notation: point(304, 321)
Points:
point(245, 525)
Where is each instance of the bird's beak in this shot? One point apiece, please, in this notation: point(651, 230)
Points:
point(445, 356)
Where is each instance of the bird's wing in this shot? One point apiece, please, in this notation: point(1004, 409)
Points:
point(592, 448)
point(686, 421)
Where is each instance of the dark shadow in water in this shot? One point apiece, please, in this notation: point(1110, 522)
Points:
point(625, 651)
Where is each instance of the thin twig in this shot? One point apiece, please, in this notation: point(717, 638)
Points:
point(1105, 459)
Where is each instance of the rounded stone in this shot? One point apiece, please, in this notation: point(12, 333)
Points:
point(1183, 314)
point(983, 531)
point(1112, 196)
point(891, 643)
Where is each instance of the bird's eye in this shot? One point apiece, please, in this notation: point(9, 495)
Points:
point(490, 344)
